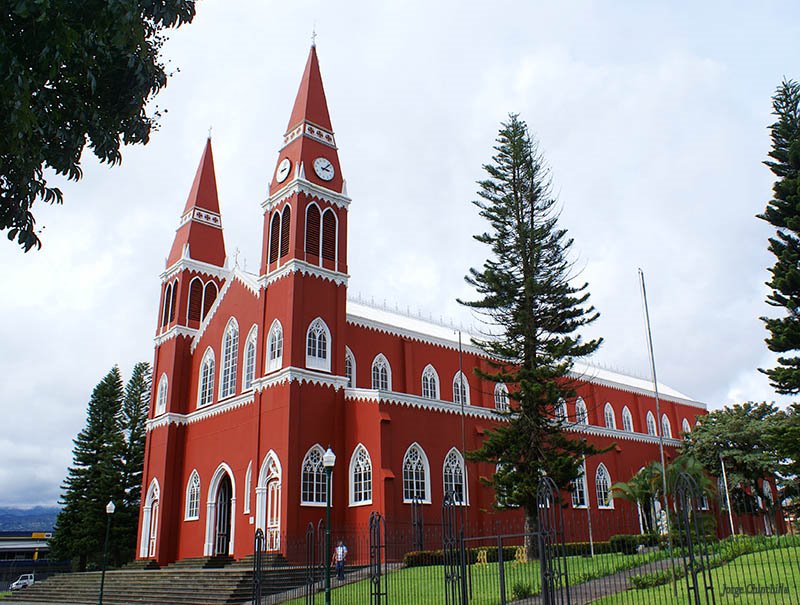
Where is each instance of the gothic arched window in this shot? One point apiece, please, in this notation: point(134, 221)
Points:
point(686, 427)
point(460, 389)
point(275, 347)
point(360, 477)
point(312, 229)
point(286, 225)
point(651, 424)
point(602, 482)
point(627, 420)
point(205, 388)
point(610, 418)
point(501, 397)
point(579, 499)
point(161, 398)
point(350, 367)
point(193, 497)
point(329, 228)
point(314, 488)
point(454, 476)
point(318, 340)
point(416, 475)
point(430, 383)
point(581, 415)
point(230, 360)
point(666, 427)
point(249, 371)
point(381, 374)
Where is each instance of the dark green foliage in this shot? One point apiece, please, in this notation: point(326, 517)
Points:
point(107, 465)
point(629, 544)
point(73, 73)
point(783, 213)
point(533, 315)
point(786, 438)
point(521, 590)
point(422, 558)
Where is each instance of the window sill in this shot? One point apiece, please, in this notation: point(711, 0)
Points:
point(192, 518)
point(363, 503)
point(605, 507)
point(314, 504)
point(417, 501)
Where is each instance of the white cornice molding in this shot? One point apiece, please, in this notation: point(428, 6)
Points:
point(621, 386)
point(295, 265)
point(174, 332)
point(300, 185)
point(415, 401)
point(412, 335)
point(194, 265)
point(601, 431)
point(248, 281)
point(203, 413)
point(301, 375)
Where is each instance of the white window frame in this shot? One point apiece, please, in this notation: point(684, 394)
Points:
point(613, 416)
point(581, 412)
point(248, 485)
point(161, 398)
point(430, 383)
point(627, 420)
point(230, 360)
point(501, 398)
point(349, 357)
point(205, 385)
point(580, 484)
point(666, 426)
point(318, 330)
point(351, 475)
point(319, 475)
point(686, 428)
point(426, 468)
point(457, 392)
point(454, 454)
point(652, 426)
point(249, 361)
point(275, 357)
point(379, 362)
point(561, 410)
point(602, 472)
point(192, 497)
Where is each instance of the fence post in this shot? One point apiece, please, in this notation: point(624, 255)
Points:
point(258, 548)
point(501, 568)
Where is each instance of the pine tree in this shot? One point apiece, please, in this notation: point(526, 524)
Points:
point(533, 314)
point(134, 415)
point(783, 213)
point(94, 478)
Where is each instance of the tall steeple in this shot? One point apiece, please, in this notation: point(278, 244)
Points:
point(199, 235)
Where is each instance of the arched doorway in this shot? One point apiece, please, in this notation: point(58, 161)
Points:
point(149, 539)
point(268, 501)
point(220, 513)
point(222, 529)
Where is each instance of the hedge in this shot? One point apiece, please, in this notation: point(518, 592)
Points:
point(436, 557)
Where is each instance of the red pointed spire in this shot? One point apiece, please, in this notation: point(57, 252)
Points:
point(199, 235)
point(310, 103)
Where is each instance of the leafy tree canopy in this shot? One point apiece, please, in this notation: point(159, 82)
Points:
point(71, 74)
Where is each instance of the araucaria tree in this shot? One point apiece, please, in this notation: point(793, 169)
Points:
point(71, 74)
point(106, 465)
point(783, 212)
point(534, 314)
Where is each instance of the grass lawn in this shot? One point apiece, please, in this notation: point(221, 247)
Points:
point(424, 585)
point(735, 581)
point(4, 594)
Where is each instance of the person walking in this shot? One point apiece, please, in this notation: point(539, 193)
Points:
point(339, 557)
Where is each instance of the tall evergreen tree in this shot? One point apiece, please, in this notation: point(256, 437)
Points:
point(533, 315)
point(94, 478)
point(134, 415)
point(783, 213)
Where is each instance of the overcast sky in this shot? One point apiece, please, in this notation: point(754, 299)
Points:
point(652, 116)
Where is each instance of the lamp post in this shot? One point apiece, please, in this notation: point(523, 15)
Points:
point(110, 508)
point(328, 460)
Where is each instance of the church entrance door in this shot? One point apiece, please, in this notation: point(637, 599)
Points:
point(223, 526)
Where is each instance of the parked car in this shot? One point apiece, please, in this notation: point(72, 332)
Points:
point(23, 581)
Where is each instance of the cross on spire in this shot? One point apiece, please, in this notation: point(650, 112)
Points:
point(314, 36)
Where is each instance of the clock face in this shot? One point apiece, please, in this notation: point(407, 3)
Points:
point(324, 169)
point(283, 170)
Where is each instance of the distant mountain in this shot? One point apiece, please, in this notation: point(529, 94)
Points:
point(38, 518)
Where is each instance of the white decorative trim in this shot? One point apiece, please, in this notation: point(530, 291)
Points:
point(174, 332)
point(601, 431)
point(415, 401)
point(208, 411)
point(201, 215)
point(296, 265)
point(235, 275)
point(194, 265)
point(301, 375)
point(300, 185)
point(311, 130)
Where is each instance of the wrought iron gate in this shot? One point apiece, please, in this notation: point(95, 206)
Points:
point(377, 560)
point(258, 565)
point(550, 537)
point(692, 542)
point(455, 580)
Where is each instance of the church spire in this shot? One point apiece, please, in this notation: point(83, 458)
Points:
point(310, 104)
point(199, 235)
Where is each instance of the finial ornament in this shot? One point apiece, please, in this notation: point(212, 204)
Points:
point(314, 36)
point(236, 257)
point(209, 131)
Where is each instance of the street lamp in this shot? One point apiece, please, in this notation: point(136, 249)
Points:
point(110, 508)
point(328, 460)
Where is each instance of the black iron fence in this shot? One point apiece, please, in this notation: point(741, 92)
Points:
point(699, 552)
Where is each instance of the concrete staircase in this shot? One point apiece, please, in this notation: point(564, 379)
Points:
point(206, 581)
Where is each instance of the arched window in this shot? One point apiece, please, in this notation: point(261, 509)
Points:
point(350, 367)
point(167, 305)
point(454, 475)
point(230, 359)
point(686, 427)
point(561, 410)
point(501, 397)
point(193, 497)
point(314, 489)
point(249, 370)
point(627, 420)
point(209, 296)
point(161, 399)
point(194, 311)
point(723, 494)
point(248, 482)
point(173, 303)
point(274, 237)
point(360, 477)
point(416, 475)
point(581, 415)
point(651, 424)
point(430, 383)
point(666, 427)
point(602, 483)
point(381, 374)
point(312, 229)
point(329, 235)
point(579, 499)
point(286, 224)
point(610, 418)
point(460, 389)
point(318, 347)
point(275, 347)
point(205, 389)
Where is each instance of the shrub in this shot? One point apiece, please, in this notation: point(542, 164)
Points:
point(629, 544)
point(656, 578)
point(521, 590)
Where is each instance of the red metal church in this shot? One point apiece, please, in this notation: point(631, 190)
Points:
point(256, 375)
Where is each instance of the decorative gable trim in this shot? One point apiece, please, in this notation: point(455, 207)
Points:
point(414, 401)
point(187, 264)
point(295, 265)
point(201, 414)
point(174, 332)
point(627, 388)
point(371, 324)
point(200, 215)
point(300, 185)
point(601, 431)
point(248, 281)
point(301, 375)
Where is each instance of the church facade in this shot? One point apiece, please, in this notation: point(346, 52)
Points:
point(256, 375)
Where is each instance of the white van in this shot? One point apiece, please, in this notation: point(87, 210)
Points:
point(23, 581)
